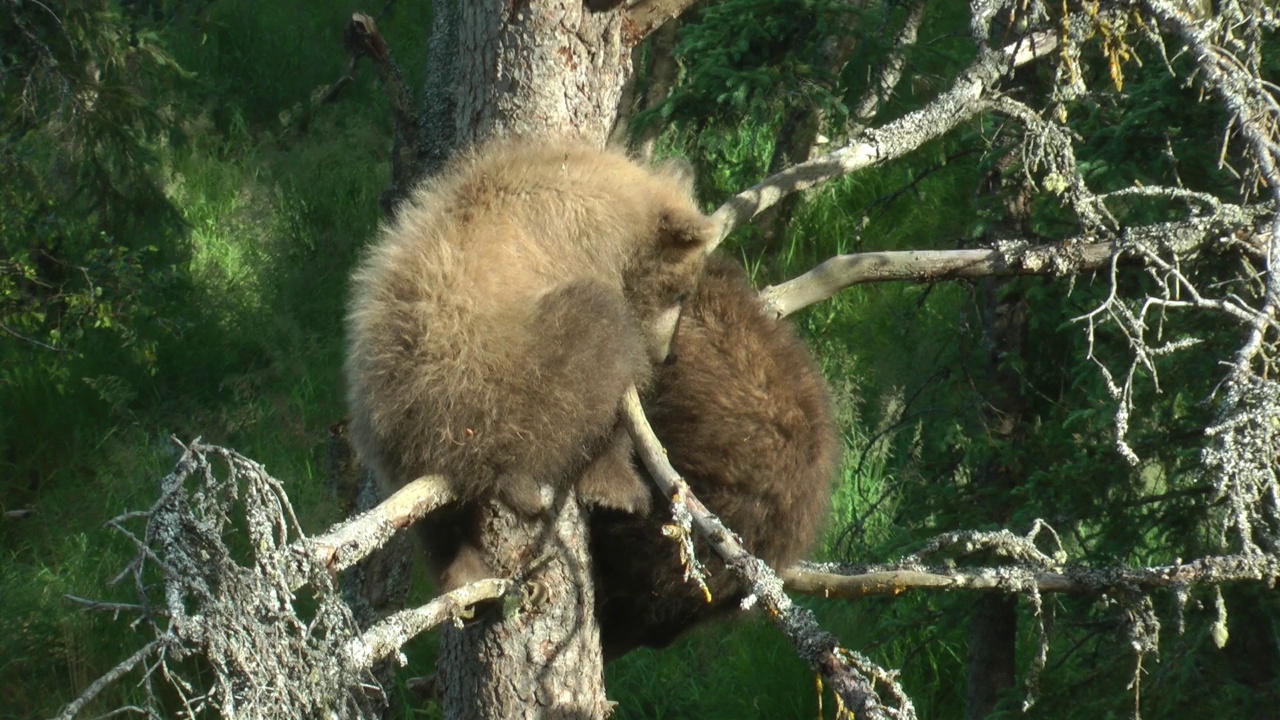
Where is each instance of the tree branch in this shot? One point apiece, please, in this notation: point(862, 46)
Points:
point(361, 37)
point(648, 15)
point(891, 71)
point(109, 677)
point(113, 607)
point(851, 583)
point(963, 101)
point(848, 674)
point(354, 539)
point(1073, 255)
point(385, 639)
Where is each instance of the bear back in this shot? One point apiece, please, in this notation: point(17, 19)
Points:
point(496, 321)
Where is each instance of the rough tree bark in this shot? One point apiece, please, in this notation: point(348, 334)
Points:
point(547, 67)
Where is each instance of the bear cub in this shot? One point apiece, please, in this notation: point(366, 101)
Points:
point(495, 323)
point(746, 418)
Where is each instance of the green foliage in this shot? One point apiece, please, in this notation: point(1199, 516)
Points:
point(88, 243)
point(750, 57)
point(162, 271)
point(46, 301)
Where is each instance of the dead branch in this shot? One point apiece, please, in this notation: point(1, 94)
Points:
point(851, 676)
point(1075, 255)
point(356, 538)
point(361, 37)
point(959, 104)
point(110, 677)
point(844, 271)
point(386, 638)
point(644, 17)
point(326, 94)
point(799, 134)
point(891, 72)
point(854, 582)
point(112, 607)
point(240, 617)
point(1240, 458)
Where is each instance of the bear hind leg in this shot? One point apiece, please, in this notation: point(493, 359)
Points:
point(611, 479)
point(585, 348)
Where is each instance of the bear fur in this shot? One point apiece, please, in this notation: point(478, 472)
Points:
point(497, 320)
point(746, 418)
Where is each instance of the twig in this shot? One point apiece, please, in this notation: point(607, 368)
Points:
point(114, 607)
point(109, 677)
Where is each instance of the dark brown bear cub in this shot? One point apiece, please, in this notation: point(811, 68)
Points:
point(746, 419)
point(496, 322)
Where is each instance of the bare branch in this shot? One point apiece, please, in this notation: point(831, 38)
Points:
point(844, 271)
point(356, 538)
point(326, 94)
point(385, 639)
point(112, 607)
point(850, 675)
point(891, 72)
point(240, 617)
point(851, 583)
point(110, 677)
point(361, 37)
point(646, 16)
point(962, 102)
point(1240, 458)
point(1009, 259)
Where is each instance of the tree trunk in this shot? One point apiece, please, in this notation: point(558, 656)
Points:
point(546, 67)
point(993, 633)
point(993, 627)
point(539, 662)
point(538, 68)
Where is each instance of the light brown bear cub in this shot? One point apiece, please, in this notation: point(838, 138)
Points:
point(745, 416)
point(496, 322)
